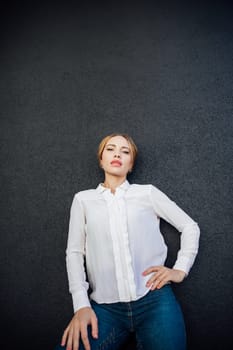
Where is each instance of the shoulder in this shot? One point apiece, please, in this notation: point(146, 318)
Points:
point(148, 189)
point(86, 194)
point(143, 187)
point(140, 188)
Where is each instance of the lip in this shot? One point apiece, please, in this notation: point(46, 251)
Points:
point(116, 162)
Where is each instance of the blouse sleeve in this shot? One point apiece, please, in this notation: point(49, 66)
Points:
point(190, 232)
point(75, 253)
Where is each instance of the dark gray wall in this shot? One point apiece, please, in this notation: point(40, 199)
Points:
point(72, 74)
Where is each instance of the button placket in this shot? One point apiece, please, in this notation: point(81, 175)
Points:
point(122, 257)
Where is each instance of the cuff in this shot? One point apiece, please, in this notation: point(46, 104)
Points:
point(183, 264)
point(80, 300)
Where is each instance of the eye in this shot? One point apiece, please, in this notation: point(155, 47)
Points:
point(126, 152)
point(109, 149)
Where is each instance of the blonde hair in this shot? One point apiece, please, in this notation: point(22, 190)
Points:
point(105, 140)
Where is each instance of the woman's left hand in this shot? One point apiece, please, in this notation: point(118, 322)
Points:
point(162, 275)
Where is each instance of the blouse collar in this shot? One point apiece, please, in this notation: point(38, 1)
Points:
point(124, 186)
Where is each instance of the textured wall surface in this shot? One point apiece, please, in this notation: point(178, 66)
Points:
point(72, 74)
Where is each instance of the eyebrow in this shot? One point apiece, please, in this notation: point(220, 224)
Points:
point(111, 144)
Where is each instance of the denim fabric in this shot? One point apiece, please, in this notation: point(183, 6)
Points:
point(156, 319)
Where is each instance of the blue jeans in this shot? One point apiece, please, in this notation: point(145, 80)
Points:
point(156, 319)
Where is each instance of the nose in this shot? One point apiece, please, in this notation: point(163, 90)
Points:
point(117, 155)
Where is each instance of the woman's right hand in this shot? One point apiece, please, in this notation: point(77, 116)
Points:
point(78, 327)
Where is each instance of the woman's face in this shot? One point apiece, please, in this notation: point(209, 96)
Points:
point(117, 156)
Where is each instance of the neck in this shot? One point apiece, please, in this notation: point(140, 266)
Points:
point(113, 182)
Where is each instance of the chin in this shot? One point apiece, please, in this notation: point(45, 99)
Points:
point(116, 172)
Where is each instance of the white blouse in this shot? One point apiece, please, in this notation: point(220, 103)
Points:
point(118, 236)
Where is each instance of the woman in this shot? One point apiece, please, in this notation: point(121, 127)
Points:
point(114, 238)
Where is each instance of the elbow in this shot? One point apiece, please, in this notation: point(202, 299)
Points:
point(193, 227)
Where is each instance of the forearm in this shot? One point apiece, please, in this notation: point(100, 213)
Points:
point(78, 286)
point(189, 244)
